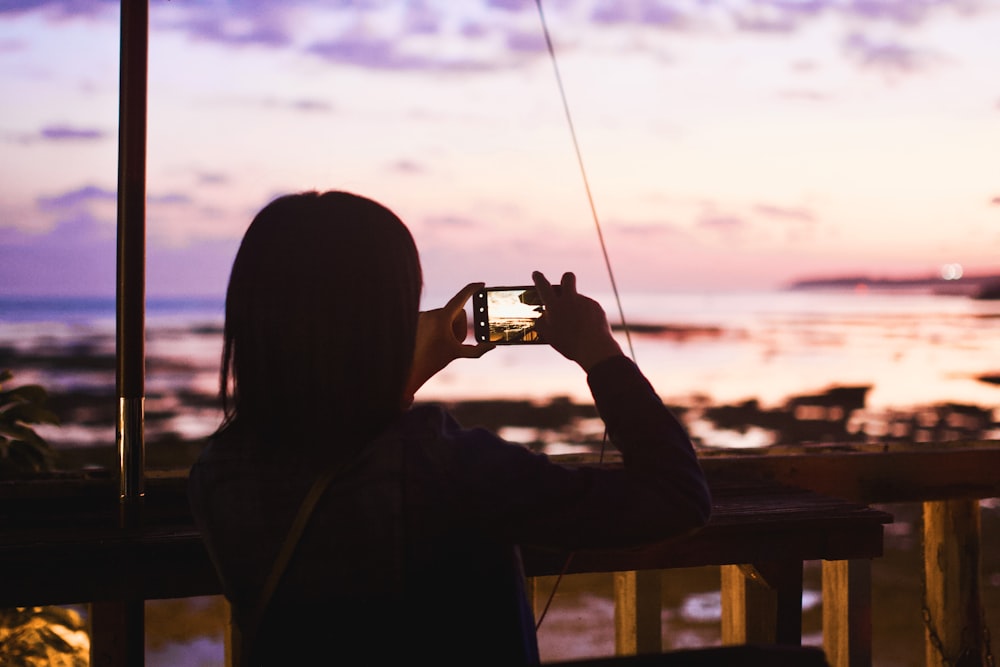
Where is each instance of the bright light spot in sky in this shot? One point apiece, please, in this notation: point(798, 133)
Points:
point(951, 271)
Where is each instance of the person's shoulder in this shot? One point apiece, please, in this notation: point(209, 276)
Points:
point(431, 420)
point(222, 446)
point(226, 452)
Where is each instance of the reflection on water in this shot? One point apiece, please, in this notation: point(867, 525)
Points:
point(707, 607)
point(743, 370)
point(910, 348)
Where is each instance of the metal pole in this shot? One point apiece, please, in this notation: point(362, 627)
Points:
point(130, 303)
point(131, 287)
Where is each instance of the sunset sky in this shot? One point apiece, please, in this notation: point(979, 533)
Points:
point(729, 144)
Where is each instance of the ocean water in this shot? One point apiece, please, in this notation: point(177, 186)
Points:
point(911, 349)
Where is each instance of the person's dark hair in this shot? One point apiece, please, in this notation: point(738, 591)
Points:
point(321, 318)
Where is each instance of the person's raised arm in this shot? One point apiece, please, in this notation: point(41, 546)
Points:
point(655, 446)
point(441, 334)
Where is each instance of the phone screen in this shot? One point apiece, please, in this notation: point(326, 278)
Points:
point(506, 315)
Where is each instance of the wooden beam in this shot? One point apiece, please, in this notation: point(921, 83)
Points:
point(913, 473)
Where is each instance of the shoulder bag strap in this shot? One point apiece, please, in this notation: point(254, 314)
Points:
point(249, 631)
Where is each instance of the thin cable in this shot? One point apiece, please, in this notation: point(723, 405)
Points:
point(552, 595)
point(604, 251)
point(583, 173)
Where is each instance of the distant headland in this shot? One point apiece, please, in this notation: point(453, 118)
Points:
point(985, 286)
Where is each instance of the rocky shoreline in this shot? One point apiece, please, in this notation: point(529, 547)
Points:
point(836, 415)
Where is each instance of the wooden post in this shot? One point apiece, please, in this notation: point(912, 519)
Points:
point(741, 593)
point(762, 603)
point(847, 612)
point(116, 632)
point(638, 606)
point(953, 620)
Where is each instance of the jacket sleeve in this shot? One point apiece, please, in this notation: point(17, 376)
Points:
point(655, 447)
point(527, 498)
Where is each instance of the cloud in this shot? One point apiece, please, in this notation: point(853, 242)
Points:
point(526, 42)
point(76, 258)
point(237, 32)
point(511, 5)
point(305, 105)
point(495, 34)
point(235, 24)
point(769, 18)
point(196, 269)
point(800, 223)
point(407, 167)
point(390, 36)
point(451, 222)
point(173, 198)
point(12, 45)
point(58, 133)
point(724, 224)
point(310, 105)
point(212, 178)
point(63, 132)
point(786, 16)
point(377, 53)
point(79, 258)
point(888, 57)
point(389, 54)
point(60, 8)
point(172, 218)
point(785, 213)
point(77, 198)
point(645, 12)
point(302, 104)
point(644, 231)
point(903, 12)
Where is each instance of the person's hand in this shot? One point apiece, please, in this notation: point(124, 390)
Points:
point(575, 325)
point(440, 340)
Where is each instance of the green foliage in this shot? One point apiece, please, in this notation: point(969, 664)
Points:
point(21, 449)
point(43, 637)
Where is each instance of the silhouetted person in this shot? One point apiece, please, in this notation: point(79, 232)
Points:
point(411, 552)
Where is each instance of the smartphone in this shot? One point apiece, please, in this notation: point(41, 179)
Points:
point(506, 315)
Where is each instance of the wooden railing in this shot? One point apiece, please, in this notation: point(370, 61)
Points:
point(947, 479)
